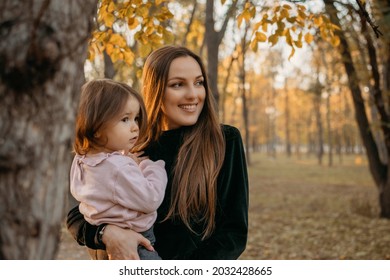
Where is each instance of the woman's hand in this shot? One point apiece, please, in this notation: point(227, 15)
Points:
point(122, 244)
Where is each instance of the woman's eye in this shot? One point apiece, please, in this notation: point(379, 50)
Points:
point(199, 83)
point(176, 85)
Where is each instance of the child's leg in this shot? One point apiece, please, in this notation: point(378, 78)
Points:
point(145, 254)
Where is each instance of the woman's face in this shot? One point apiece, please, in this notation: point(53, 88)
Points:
point(184, 94)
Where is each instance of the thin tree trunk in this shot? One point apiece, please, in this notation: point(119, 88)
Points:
point(287, 122)
point(213, 40)
point(244, 95)
point(184, 41)
point(329, 128)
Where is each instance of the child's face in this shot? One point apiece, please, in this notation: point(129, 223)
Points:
point(122, 132)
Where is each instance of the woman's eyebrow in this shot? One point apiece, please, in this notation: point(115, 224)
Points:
point(183, 78)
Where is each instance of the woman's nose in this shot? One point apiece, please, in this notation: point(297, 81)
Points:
point(191, 92)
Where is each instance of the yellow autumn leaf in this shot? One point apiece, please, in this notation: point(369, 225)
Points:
point(273, 39)
point(143, 12)
point(145, 50)
point(291, 19)
point(264, 26)
point(335, 27)
point(281, 26)
point(111, 7)
point(292, 53)
point(114, 55)
point(301, 7)
point(302, 15)
point(158, 2)
point(252, 12)
point(298, 43)
point(289, 39)
point(117, 40)
point(130, 12)
point(240, 17)
point(308, 38)
point(335, 41)
point(168, 36)
point(254, 45)
point(149, 30)
point(132, 23)
point(318, 21)
point(109, 49)
point(91, 54)
point(284, 13)
point(300, 36)
point(324, 34)
point(109, 20)
point(128, 57)
point(139, 73)
point(247, 15)
point(261, 37)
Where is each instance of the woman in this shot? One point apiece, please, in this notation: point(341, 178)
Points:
point(204, 214)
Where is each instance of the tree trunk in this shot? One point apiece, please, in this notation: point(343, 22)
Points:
point(379, 170)
point(42, 54)
point(329, 128)
point(244, 95)
point(287, 122)
point(213, 39)
point(319, 126)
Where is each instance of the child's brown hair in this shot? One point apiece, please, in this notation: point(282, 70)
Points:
point(100, 101)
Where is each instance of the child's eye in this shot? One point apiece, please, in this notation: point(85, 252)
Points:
point(126, 119)
point(137, 119)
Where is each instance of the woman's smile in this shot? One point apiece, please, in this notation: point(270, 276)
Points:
point(188, 107)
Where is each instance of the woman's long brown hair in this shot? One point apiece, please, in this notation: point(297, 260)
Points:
point(200, 158)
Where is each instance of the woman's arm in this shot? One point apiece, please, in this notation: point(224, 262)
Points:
point(119, 243)
point(84, 233)
point(230, 236)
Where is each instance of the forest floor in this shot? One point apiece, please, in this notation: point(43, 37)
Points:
point(300, 210)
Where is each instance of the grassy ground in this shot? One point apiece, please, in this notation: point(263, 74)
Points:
point(302, 211)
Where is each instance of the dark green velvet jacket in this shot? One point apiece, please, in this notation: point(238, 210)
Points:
point(173, 239)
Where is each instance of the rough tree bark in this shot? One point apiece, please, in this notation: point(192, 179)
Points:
point(42, 53)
